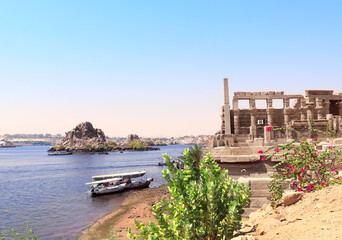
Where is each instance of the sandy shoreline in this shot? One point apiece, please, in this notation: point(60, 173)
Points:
point(137, 206)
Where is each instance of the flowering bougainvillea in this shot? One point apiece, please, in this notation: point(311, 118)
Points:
point(307, 168)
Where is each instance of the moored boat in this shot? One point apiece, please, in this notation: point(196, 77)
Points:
point(120, 175)
point(59, 153)
point(136, 184)
point(119, 182)
point(107, 186)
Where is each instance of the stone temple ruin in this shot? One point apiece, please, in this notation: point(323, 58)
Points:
point(244, 131)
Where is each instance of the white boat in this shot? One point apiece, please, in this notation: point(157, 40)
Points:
point(140, 183)
point(111, 185)
point(59, 153)
point(118, 182)
point(120, 175)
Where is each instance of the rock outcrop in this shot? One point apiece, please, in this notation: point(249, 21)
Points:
point(82, 139)
point(130, 138)
point(5, 144)
point(317, 215)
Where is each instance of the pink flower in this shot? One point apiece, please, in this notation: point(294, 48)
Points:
point(339, 177)
point(287, 175)
point(261, 151)
point(294, 183)
point(322, 183)
point(334, 169)
point(330, 147)
point(303, 170)
point(323, 164)
point(314, 139)
point(276, 149)
point(269, 129)
point(263, 158)
point(301, 179)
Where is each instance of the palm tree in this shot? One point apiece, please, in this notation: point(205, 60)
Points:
point(195, 154)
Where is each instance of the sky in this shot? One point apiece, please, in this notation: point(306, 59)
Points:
point(156, 68)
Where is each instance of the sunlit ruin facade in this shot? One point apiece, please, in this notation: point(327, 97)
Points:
point(244, 131)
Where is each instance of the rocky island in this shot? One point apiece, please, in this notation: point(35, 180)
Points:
point(84, 138)
point(6, 144)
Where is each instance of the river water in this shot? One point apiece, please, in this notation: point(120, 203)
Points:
point(51, 190)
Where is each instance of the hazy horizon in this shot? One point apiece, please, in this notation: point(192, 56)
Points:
point(156, 68)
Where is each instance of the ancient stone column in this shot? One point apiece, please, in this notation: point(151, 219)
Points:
point(253, 123)
point(269, 117)
point(226, 107)
point(286, 103)
point(320, 112)
point(302, 115)
point(319, 108)
point(309, 115)
point(269, 113)
point(287, 121)
point(235, 103)
point(236, 122)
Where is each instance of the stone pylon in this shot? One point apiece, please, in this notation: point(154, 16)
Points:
point(227, 125)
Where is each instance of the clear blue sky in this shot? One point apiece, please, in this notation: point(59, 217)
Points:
point(155, 68)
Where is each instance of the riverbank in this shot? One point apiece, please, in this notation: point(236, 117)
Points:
point(136, 207)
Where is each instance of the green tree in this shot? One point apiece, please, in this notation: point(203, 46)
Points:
point(204, 203)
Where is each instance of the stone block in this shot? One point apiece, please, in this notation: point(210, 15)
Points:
point(292, 198)
point(261, 183)
point(239, 158)
point(248, 211)
point(258, 202)
point(260, 193)
point(242, 151)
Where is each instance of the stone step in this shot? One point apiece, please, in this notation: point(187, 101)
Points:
point(260, 183)
point(257, 202)
point(260, 192)
point(249, 211)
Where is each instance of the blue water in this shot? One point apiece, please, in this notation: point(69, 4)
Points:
point(51, 190)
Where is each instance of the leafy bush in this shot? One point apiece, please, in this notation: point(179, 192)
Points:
point(27, 234)
point(137, 145)
point(204, 203)
point(304, 165)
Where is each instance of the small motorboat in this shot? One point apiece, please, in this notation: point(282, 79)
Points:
point(59, 153)
point(120, 175)
point(113, 183)
point(141, 183)
point(107, 186)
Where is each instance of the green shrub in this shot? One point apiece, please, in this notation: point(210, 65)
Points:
point(305, 166)
point(204, 203)
point(27, 233)
point(137, 145)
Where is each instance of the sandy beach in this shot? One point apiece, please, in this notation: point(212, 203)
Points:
point(136, 207)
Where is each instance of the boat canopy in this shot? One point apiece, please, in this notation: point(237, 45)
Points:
point(120, 175)
point(104, 181)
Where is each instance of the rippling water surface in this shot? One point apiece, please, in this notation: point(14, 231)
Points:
point(51, 190)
